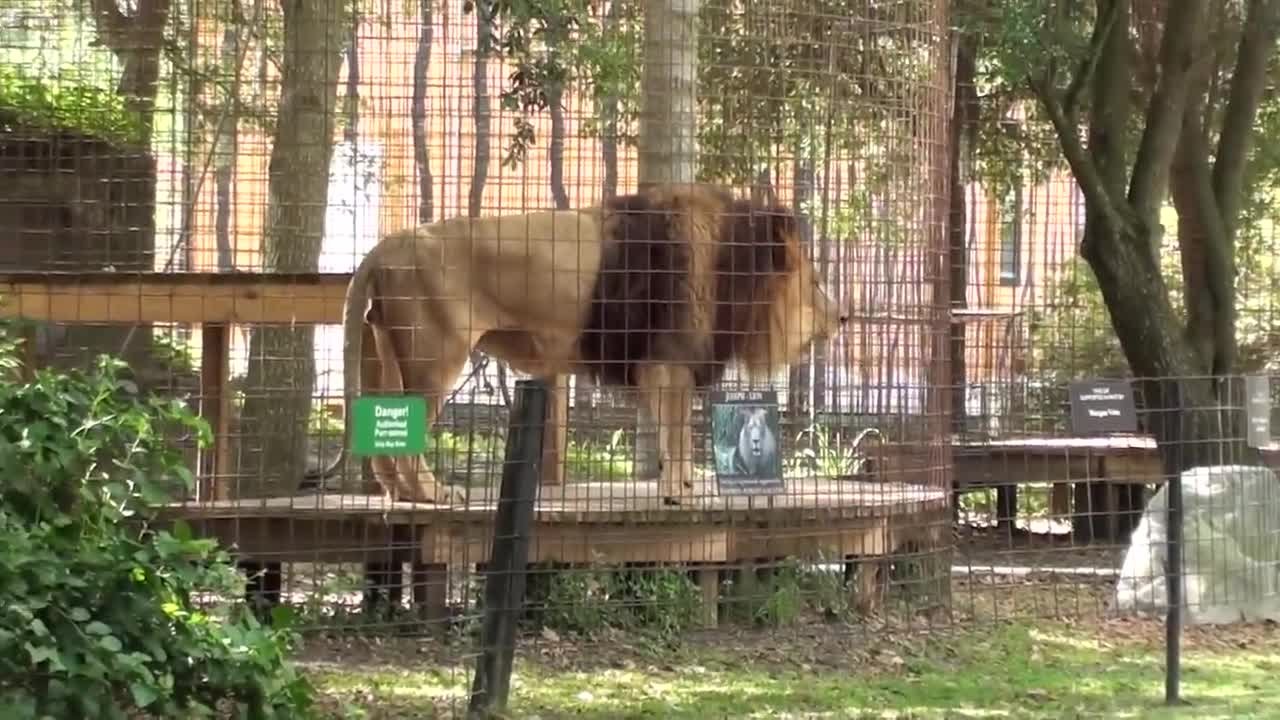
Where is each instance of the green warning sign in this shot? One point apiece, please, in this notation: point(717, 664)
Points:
point(389, 425)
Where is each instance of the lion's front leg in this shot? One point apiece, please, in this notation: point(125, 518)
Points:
point(407, 478)
point(667, 393)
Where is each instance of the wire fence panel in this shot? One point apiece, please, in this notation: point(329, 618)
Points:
point(809, 357)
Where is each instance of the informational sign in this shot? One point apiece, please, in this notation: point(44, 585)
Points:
point(1101, 407)
point(389, 425)
point(1257, 409)
point(744, 432)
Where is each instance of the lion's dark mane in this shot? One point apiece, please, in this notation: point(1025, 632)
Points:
point(643, 306)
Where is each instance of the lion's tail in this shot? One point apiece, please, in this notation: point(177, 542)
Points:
point(354, 308)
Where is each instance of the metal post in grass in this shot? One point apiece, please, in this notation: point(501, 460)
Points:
point(1173, 519)
point(1173, 622)
point(509, 558)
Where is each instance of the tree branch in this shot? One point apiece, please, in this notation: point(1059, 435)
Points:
point(1207, 267)
point(1082, 166)
point(112, 25)
point(1261, 26)
point(1097, 41)
point(1111, 104)
point(1165, 111)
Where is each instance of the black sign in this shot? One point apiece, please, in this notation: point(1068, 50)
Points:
point(1257, 409)
point(745, 441)
point(1100, 407)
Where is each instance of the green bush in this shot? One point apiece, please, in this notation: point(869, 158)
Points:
point(98, 617)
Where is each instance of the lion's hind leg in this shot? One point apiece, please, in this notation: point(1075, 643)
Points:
point(407, 366)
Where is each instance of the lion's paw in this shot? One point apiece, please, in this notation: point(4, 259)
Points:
point(448, 495)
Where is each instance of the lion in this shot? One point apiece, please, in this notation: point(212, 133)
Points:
point(757, 446)
point(657, 291)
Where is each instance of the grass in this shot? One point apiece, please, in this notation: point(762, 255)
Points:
point(1045, 669)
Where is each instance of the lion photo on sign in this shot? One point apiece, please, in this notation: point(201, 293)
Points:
point(658, 291)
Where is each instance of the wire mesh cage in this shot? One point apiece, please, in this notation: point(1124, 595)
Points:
point(200, 182)
point(807, 311)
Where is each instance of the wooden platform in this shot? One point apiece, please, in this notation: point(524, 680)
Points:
point(1102, 483)
point(583, 523)
point(571, 519)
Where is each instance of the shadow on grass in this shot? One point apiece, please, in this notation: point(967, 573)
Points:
point(1045, 670)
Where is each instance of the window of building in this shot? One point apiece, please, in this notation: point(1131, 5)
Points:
point(1010, 222)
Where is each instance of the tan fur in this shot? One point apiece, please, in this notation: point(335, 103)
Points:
point(521, 288)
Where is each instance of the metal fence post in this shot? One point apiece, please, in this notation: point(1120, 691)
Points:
point(509, 558)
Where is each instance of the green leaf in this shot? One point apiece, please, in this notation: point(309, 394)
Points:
point(111, 643)
point(40, 653)
point(143, 694)
point(97, 627)
point(79, 614)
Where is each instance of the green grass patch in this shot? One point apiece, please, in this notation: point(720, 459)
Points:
point(1028, 670)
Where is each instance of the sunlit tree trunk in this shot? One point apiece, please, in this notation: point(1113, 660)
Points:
point(281, 374)
point(668, 134)
point(421, 147)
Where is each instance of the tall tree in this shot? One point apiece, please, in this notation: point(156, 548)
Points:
point(231, 59)
point(667, 143)
point(1125, 182)
point(481, 114)
point(421, 147)
point(480, 106)
point(609, 115)
point(281, 372)
point(351, 96)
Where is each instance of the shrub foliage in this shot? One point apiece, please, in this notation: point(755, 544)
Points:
point(104, 613)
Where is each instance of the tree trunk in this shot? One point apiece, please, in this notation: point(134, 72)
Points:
point(1122, 230)
point(281, 374)
point(667, 150)
point(136, 41)
point(609, 117)
point(1178, 400)
point(421, 148)
point(963, 114)
point(480, 114)
point(351, 98)
point(556, 147)
point(227, 140)
point(668, 87)
point(480, 105)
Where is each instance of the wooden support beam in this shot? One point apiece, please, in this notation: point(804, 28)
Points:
point(137, 298)
point(215, 408)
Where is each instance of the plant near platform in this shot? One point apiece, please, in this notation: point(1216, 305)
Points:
point(97, 611)
point(663, 603)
